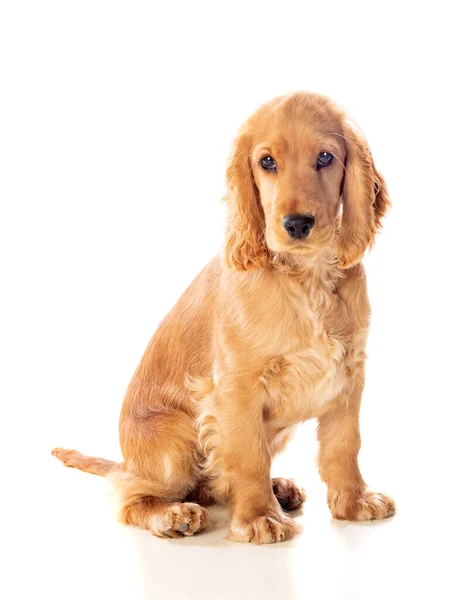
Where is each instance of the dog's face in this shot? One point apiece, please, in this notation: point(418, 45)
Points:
point(296, 160)
point(298, 165)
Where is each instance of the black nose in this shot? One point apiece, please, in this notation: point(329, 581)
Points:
point(298, 226)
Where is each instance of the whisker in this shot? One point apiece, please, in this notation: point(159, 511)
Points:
point(339, 160)
point(337, 134)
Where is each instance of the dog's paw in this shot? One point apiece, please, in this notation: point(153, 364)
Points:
point(178, 519)
point(266, 529)
point(360, 506)
point(288, 494)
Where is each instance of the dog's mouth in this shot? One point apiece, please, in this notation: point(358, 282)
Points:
point(305, 249)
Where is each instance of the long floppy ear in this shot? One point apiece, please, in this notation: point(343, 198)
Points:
point(245, 247)
point(364, 200)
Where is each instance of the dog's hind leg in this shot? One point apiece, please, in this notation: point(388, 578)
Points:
point(161, 469)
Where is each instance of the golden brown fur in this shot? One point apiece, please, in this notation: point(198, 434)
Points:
point(269, 335)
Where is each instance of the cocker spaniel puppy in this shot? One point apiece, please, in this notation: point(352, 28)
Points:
point(270, 334)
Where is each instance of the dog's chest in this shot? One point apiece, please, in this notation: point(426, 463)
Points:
point(303, 380)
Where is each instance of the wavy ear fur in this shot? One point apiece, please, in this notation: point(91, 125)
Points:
point(364, 199)
point(245, 247)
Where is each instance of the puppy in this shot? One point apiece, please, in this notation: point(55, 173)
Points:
point(271, 333)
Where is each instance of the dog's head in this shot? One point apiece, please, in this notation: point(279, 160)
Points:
point(301, 178)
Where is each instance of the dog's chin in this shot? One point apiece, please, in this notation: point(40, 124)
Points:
point(297, 248)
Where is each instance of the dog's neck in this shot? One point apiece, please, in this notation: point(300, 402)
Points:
point(317, 275)
point(324, 265)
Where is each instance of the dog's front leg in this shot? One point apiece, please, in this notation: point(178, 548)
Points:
point(339, 444)
point(255, 512)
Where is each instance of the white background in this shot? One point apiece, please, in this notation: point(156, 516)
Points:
point(116, 121)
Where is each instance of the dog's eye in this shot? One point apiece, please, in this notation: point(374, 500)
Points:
point(268, 163)
point(324, 160)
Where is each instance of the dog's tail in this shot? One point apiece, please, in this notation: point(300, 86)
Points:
point(96, 466)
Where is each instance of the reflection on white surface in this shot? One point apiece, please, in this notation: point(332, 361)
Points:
point(79, 551)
